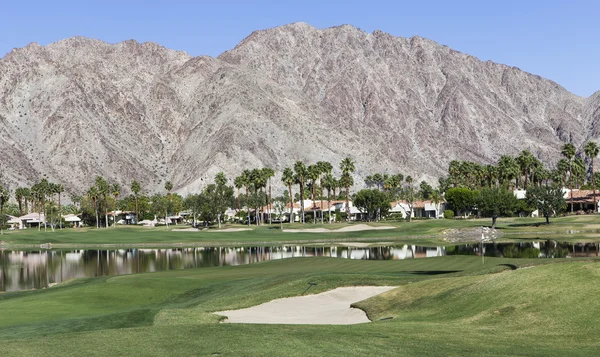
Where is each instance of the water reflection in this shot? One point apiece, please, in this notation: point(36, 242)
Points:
point(21, 270)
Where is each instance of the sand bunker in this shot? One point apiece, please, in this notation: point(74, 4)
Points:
point(185, 230)
point(230, 230)
point(328, 308)
point(353, 228)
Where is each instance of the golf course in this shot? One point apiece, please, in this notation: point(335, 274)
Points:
point(452, 305)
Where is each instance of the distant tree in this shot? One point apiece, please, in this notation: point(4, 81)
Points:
point(19, 196)
point(591, 150)
point(4, 196)
point(495, 202)
point(548, 200)
point(103, 192)
point(168, 187)
point(328, 182)
point(300, 175)
point(568, 151)
point(115, 191)
point(288, 179)
point(373, 203)
point(461, 199)
point(347, 166)
point(409, 195)
point(136, 188)
point(425, 190)
point(93, 196)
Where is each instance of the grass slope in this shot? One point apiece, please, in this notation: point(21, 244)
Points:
point(477, 310)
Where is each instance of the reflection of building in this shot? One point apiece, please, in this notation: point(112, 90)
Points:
point(413, 251)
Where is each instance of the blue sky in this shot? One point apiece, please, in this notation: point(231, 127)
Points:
point(554, 39)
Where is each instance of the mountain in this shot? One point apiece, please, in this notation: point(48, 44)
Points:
point(80, 107)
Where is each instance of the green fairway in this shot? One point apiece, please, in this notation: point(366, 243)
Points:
point(444, 306)
point(572, 228)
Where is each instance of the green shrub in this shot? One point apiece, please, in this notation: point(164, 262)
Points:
point(448, 214)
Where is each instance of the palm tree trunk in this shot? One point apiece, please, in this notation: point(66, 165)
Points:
point(137, 213)
point(571, 186)
point(594, 187)
point(302, 201)
point(291, 204)
point(115, 213)
point(59, 213)
point(329, 205)
point(347, 203)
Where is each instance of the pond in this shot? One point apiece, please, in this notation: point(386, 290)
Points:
point(23, 270)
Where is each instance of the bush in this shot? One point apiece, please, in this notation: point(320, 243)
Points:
point(448, 214)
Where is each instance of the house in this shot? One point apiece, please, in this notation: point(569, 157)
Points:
point(582, 200)
point(420, 209)
point(123, 217)
point(73, 220)
point(30, 220)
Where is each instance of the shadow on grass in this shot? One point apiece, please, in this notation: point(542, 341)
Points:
point(511, 266)
point(433, 272)
point(536, 224)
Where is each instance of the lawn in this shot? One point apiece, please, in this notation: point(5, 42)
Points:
point(444, 306)
point(424, 232)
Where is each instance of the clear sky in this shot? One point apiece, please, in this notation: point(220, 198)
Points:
point(555, 39)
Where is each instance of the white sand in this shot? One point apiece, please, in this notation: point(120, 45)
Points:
point(230, 230)
point(185, 230)
point(328, 308)
point(353, 228)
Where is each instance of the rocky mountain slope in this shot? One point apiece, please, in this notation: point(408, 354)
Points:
point(80, 107)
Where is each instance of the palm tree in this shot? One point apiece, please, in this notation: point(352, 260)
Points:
point(168, 187)
point(268, 173)
point(591, 150)
point(301, 172)
point(507, 170)
point(27, 198)
point(562, 166)
point(19, 198)
point(116, 191)
point(288, 179)
point(136, 188)
point(103, 188)
point(93, 195)
point(4, 196)
point(347, 167)
point(525, 161)
point(453, 171)
point(568, 151)
point(324, 167)
point(313, 175)
point(328, 182)
point(59, 189)
point(238, 183)
point(437, 197)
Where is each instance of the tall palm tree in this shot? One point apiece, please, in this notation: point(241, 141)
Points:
point(288, 179)
point(136, 188)
point(347, 167)
point(591, 150)
point(4, 196)
point(116, 191)
point(168, 187)
point(507, 170)
point(453, 171)
point(103, 191)
point(94, 195)
point(568, 151)
point(313, 175)
point(268, 173)
point(26, 198)
point(19, 198)
point(525, 160)
point(562, 166)
point(324, 168)
point(238, 183)
point(301, 172)
point(328, 182)
point(59, 189)
point(437, 197)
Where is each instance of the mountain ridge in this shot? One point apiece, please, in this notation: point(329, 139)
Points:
point(81, 107)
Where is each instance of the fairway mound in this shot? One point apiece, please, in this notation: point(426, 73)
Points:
point(230, 230)
point(328, 308)
point(353, 228)
point(185, 230)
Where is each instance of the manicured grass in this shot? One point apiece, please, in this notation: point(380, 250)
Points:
point(474, 309)
point(573, 228)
